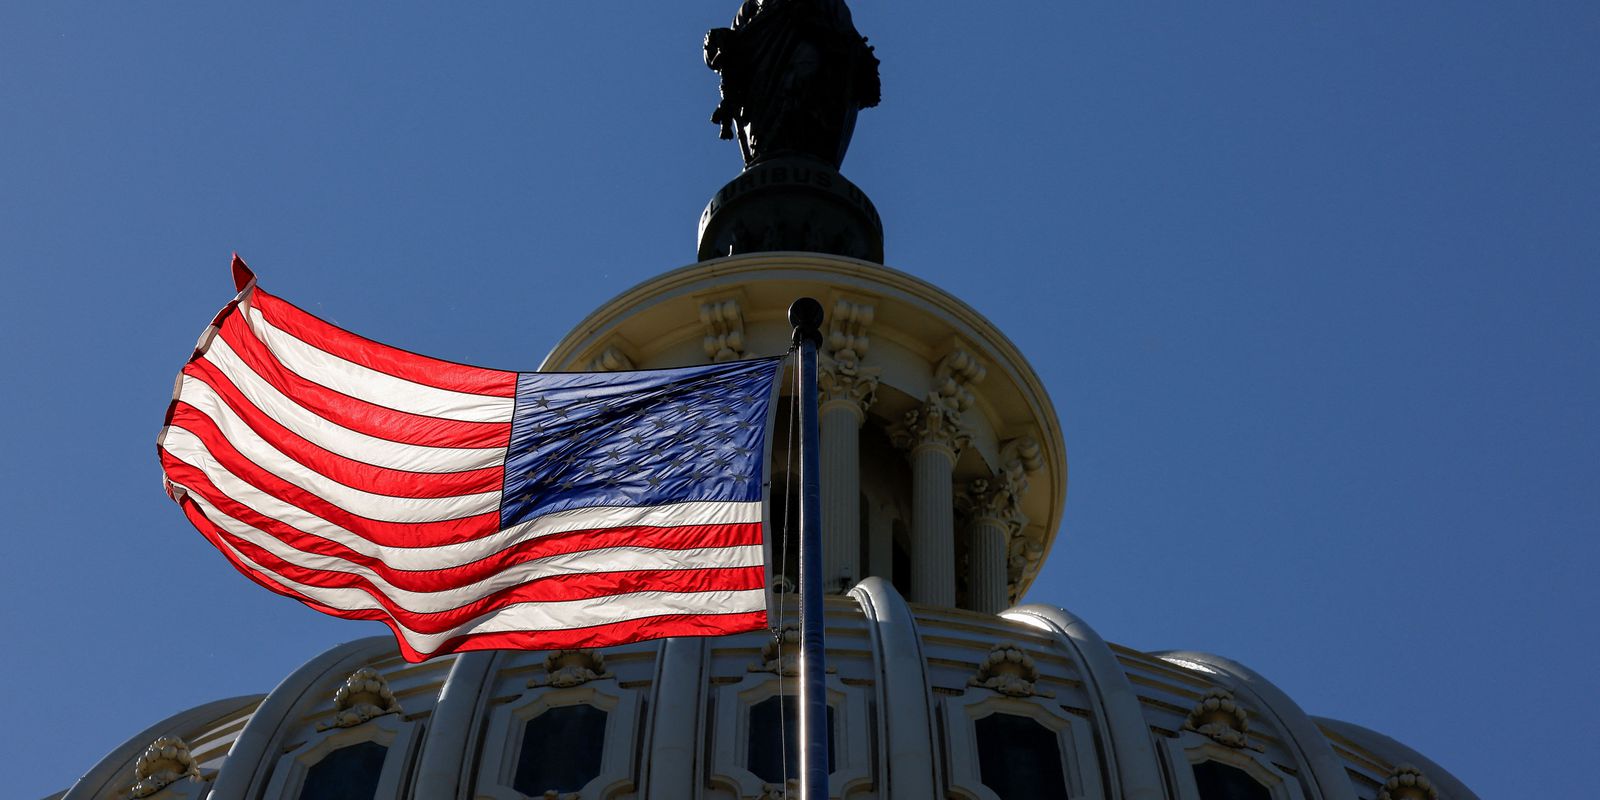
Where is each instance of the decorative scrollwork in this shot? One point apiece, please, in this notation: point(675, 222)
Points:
point(1407, 782)
point(164, 762)
point(567, 668)
point(365, 695)
point(724, 321)
point(780, 791)
point(938, 423)
point(846, 381)
point(1220, 718)
point(1009, 670)
point(611, 359)
point(781, 654)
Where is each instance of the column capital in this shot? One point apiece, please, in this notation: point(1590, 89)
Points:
point(935, 426)
point(998, 499)
point(844, 382)
point(938, 423)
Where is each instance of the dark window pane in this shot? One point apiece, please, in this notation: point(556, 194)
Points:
point(349, 773)
point(900, 559)
point(1218, 781)
point(1019, 759)
point(560, 750)
point(773, 746)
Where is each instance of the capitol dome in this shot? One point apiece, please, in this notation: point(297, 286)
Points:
point(944, 482)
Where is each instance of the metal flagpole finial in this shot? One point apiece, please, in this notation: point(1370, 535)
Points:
point(805, 315)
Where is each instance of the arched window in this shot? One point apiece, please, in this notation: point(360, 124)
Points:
point(773, 747)
point(1019, 758)
point(561, 750)
point(349, 773)
point(1218, 781)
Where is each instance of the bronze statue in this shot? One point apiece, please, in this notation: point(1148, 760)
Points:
point(794, 74)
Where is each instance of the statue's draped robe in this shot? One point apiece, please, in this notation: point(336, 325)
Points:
point(795, 72)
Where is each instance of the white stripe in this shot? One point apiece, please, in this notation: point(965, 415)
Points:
point(609, 559)
point(182, 443)
point(547, 616)
point(337, 438)
point(374, 386)
point(453, 555)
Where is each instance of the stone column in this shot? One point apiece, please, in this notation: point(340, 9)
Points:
point(997, 524)
point(935, 435)
point(987, 558)
point(847, 390)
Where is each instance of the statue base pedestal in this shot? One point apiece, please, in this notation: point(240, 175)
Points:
point(791, 204)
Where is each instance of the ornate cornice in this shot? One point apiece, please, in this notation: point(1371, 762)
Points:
point(611, 359)
point(999, 499)
point(364, 695)
point(724, 321)
point(1220, 718)
point(938, 423)
point(1407, 782)
point(660, 316)
point(846, 383)
point(164, 762)
point(781, 654)
point(1010, 671)
point(574, 667)
point(842, 380)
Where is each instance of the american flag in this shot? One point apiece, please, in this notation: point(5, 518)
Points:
point(471, 508)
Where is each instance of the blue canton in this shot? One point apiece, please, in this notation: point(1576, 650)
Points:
point(652, 437)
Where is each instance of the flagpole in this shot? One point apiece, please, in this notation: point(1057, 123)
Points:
point(806, 317)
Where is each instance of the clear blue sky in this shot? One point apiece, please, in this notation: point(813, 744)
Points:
point(1316, 292)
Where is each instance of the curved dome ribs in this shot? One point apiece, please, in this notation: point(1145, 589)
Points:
point(946, 480)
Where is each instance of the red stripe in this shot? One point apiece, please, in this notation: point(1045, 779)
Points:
point(633, 630)
point(553, 588)
point(399, 363)
point(354, 413)
point(391, 534)
point(331, 465)
point(676, 538)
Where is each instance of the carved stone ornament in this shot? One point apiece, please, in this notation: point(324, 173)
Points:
point(1009, 671)
point(781, 654)
point(1000, 499)
point(165, 762)
point(938, 422)
point(724, 321)
point(1024, 554)
point(1407, 782)
point(1218, 717)
point(780, 791)
point(567, 668)
point(840, 381)
point(364, 696)
point(611, 359)
point(847, 330)
point(840, 376)
point(552, 794)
